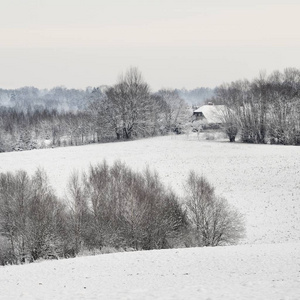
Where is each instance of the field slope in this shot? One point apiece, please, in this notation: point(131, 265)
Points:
point(261, 181)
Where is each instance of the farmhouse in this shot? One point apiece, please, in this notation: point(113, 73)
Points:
point(210, 114)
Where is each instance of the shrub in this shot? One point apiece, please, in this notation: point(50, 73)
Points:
point(110, 209)
point(213, 220)
point(128, 209)
point(31, 217)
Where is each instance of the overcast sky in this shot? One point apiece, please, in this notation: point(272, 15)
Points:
point(174, 43)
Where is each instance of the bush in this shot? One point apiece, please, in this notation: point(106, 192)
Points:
point(110, 209)
point(126, 209)
point(214, 222)
point(31, 217)
point(231, 130)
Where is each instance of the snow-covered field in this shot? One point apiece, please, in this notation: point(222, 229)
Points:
point(235, 272)
point(261, 181)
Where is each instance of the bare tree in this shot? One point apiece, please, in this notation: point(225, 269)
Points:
point(214, 221)
point(96, 189)
point(14, 202)
point(46, 220)
point(126, 105)
point(130, 209)
point(266, 109)
point(173, 109)
point(32, 218)
point(284, 107)
point(78, 212)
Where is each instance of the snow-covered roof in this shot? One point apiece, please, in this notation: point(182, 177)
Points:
point(212, 113)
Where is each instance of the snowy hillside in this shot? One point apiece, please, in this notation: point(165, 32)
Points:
point(235, 272)
point(261, 181)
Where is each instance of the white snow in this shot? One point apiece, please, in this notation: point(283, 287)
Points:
point(262, 181)
point(235, 272)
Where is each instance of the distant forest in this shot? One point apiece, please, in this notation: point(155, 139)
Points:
point(32, 118)
point(62, 99)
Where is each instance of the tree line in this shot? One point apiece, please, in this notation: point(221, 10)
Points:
point(264, 110)
point(43, 128)
point(59, 98)
point(125, 110)
point(109, 206)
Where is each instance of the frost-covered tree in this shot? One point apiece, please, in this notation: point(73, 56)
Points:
point(129, 209)
point(127, 107)
point(173, 110)
point(78, 213)
point(214, 221)
point(31, 217)
point(267, 109)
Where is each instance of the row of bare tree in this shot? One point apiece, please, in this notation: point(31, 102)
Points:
point(126, 110)
point(37, 129)
point(108, 206)
point(266, 109)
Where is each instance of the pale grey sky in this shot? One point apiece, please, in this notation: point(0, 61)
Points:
point(175, 43)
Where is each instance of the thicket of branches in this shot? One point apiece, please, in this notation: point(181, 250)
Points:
point(41, 128)
point(32, 219)
point(124, 209)
point(108, 206)
point(214, 222)
point(266, 109)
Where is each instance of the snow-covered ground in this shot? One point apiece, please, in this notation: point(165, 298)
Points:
point(261, 181)
point(235, 272)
